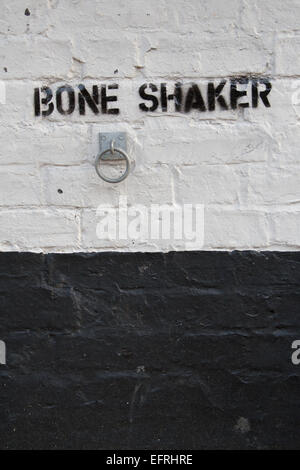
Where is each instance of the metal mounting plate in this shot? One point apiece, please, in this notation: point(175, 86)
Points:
point(120, 142)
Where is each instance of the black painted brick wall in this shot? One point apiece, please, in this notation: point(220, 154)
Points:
point(149, 351)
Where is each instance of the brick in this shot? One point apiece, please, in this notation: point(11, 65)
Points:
point(208, 16)
point(13, 20)
point(150, 185)
point(181, 56)
point(208, 184)
point(286, 229)
point(270, 15)
point(231, 229)
point(38, 229)
point(97, 18)
point(20, 186)
point(44, 144)
point(287, 150)
point(210, 144)
point(283, 107)
point(90, 240)
point(18, 108)
point(34, 57)
point(272, 185)
point(93, 54)
point(240, 162)
point(182, 333)
point(82, 187)
point(287, 57)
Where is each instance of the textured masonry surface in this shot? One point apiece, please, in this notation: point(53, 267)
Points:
point(149, 351)
point(172, 350)
point(242, 164)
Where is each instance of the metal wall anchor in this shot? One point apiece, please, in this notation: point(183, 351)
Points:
point(113, 148)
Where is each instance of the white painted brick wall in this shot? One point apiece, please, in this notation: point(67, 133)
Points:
point(242, 164)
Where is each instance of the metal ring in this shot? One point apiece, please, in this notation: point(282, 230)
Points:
point(112, 150)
